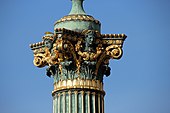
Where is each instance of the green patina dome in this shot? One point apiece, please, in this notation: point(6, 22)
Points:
point(77, 19)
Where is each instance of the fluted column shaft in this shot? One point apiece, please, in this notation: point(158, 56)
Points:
point(78, 101)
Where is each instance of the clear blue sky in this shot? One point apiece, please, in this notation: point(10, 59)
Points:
point(139, 82)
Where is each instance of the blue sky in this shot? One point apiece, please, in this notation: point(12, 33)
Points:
point(139, 82)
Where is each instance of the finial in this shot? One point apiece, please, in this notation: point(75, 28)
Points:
point(77, 7)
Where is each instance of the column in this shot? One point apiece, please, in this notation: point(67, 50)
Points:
point(76, 108)
point(58, 102)
point(99, 107)
point(64, 101)
point(82, 96)
point(88, 97)
point(102, 103)
point(54, 103)
point(94, 102)
point(69, 105)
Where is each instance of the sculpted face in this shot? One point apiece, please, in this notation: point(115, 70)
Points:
point(90, 38)
point(48, 43)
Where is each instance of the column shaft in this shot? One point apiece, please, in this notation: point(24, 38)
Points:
point(58, 103)
point(69, 107)
point(88, 94)
point(99, 103)
point(76, 107)
point(102, 103)
point(82, 96)
point(94, 102)
point(64, 101)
